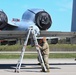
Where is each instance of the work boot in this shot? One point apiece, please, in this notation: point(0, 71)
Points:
point(42, 70)
point(47, 70)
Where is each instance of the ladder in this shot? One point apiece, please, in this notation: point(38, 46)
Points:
point(32, 32)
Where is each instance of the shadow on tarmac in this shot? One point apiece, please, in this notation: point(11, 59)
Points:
point(23, 66)
point(32, 66)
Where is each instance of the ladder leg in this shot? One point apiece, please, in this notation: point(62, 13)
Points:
point(38, 50)
point(20, 61)
point(22, 54)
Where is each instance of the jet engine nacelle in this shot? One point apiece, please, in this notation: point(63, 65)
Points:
point(40, 17)
point(43, 20)
point(3, 20)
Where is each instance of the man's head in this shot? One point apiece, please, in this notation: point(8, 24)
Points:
point(44, 39)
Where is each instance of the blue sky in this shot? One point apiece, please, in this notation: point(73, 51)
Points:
point(60, 11)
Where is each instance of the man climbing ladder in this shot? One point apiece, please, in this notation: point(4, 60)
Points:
point(31, 31)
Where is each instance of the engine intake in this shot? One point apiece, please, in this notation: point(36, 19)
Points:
point(43, 20)
point(3, 20)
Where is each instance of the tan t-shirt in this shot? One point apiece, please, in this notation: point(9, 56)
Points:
point(45, 48)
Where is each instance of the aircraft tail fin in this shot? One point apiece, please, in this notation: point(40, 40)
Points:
point(73, 26)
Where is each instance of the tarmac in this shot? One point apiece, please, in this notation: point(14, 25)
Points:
point(31, 67)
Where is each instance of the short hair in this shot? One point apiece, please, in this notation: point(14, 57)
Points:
point(44, 38)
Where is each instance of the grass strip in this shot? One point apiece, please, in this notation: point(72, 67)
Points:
point(17, 47)
point(33, 56)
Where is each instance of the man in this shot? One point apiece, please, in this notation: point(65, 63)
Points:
point(45, 53)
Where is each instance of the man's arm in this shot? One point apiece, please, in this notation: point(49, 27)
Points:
point(43, 47)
